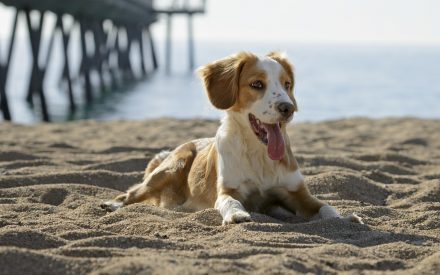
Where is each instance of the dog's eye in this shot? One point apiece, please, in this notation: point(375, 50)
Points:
point(287, 85)
point(257, 85)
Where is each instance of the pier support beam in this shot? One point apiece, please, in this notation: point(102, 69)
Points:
point(190, 42)
point(98, 58)
point(111, 44)
point(65, 35)
point(168, 45)
point(142, 50)
point(38, 73)
point(124, 55)
point(4, 69)
point(86, 63)
point(152, 49)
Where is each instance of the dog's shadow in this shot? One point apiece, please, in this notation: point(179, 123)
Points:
point(334, 230)
point(322, 231)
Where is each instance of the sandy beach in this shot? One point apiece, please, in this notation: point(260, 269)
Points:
point(54, 176)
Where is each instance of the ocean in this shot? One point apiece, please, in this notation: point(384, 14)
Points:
point(332, 82)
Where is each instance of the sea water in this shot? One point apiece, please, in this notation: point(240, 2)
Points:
point(332, 82)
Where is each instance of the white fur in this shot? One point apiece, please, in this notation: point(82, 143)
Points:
point(243, 162)
point(112, 205)
point(231, 210)
point(327, 212)
point(294, 180)
point(266, 108)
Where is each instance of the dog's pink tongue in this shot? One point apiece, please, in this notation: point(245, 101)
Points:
point(275, 141)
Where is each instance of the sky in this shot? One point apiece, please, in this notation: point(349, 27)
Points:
point(413, 22)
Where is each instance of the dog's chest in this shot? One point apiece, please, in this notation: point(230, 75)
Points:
point(244, 164)
point(260, 174)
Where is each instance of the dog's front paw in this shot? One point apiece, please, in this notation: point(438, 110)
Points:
point(353, 218)
point(112, 205)
point(327, 212)
point(237, 217)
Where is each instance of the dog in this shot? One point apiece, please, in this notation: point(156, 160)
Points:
point(248, 166)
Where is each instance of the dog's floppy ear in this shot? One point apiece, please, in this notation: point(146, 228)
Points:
point(221, 79)
point(282, 59)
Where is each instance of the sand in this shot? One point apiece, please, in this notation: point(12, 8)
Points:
point(53, 178)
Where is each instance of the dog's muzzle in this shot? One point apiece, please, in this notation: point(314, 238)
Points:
point(286, 109)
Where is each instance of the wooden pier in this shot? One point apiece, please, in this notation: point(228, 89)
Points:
point(108, 29)
point(181, 8)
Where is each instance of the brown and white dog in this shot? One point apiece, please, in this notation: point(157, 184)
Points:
point(248, 165)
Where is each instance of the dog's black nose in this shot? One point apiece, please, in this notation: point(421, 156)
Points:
point(285, 108)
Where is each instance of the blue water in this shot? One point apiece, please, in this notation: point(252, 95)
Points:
point(332, 82)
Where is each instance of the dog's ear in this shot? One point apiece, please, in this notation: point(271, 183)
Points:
point(282, 59)
point(221, 79)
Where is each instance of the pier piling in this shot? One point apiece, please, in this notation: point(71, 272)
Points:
point(180, 8)
point(65, 36)
point(4, 70)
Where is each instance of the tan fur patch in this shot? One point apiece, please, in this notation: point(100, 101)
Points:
point(202, 179)
point(246, 95)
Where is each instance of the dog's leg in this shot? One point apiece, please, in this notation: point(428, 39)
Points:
point(115, 204)
point(155, 175)
point(230, 207)
point(304, 204)
point(139, 192)
point(164, 168)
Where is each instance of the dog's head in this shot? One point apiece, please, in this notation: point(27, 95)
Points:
point(260, 88)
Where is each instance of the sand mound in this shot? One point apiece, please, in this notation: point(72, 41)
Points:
point(53, 178)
